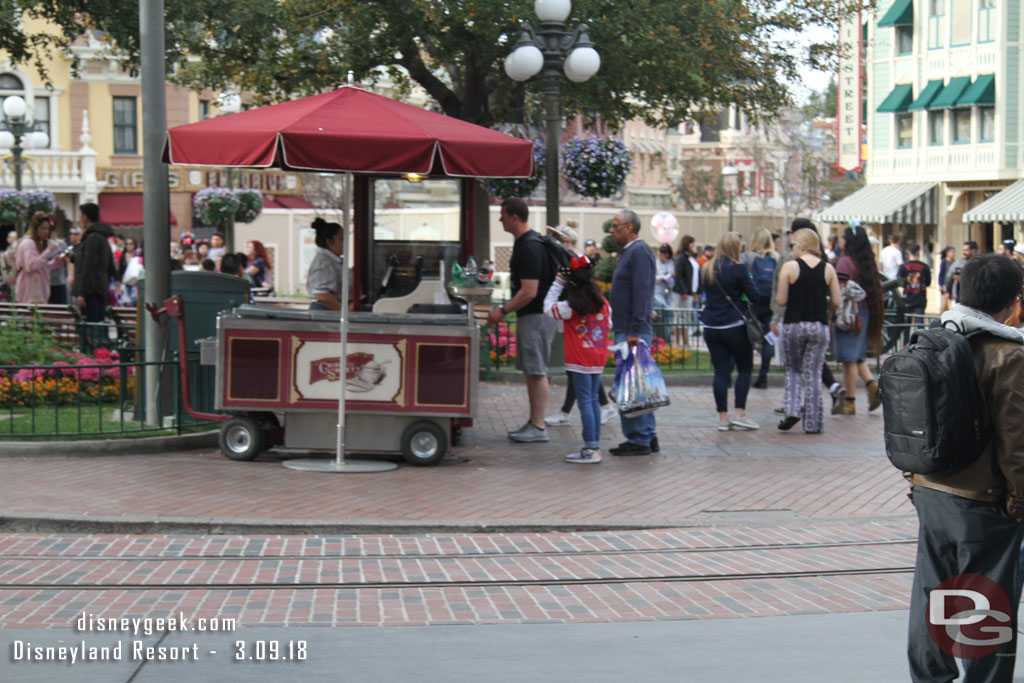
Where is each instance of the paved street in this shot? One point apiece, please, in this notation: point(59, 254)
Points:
point(740, 556)
point(701, 476)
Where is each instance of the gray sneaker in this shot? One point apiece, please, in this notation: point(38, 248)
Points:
point(529, 433)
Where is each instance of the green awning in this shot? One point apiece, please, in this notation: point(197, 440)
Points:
point(898, 100)
point(951, 93)
point(901, 13)
point(926, 96)
point(981, 92)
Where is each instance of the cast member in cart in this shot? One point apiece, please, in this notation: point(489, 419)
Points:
point(325, 272)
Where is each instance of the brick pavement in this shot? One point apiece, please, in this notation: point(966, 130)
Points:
point(640, 558)
point(702, 476)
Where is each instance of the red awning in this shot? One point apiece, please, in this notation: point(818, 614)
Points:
point(124, 209)
point(282, 201)
point(350, 130)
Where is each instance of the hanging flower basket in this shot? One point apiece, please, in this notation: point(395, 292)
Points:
point(40, 200)
point(13, 206)
point(504, 188)
point(596, 167)
point(250, 205)
point(218, 205)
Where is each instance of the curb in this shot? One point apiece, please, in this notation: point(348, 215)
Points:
point(127, 446)
point(32, 523)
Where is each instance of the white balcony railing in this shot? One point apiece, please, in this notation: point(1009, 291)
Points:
point(50, 169)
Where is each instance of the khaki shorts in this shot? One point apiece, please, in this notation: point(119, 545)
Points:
point(534, 334)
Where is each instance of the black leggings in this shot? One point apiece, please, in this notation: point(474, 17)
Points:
point(764, 316)
point(570, 395)
point(727, 347)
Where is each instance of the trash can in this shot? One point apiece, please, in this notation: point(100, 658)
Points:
point(206, 294)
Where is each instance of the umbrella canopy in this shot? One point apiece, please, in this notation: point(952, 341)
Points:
point(350, 130)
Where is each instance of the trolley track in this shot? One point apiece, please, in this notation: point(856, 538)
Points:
point(658, 568)
point(383, 585)
point(465, 555)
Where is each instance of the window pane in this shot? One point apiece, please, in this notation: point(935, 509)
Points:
point(988, 124)
point(41, 115)
point(961, 22)
point(125, 126)
point(962, 125)
point(904, 131)
point(904, 40)
point(10, 82)
point(936, 128)
point(936, 8)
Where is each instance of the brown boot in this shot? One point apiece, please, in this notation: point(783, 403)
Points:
point(849, 407)
point(874, 395)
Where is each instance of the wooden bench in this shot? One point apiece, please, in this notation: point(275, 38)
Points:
point(62, 320)
point(126, 321)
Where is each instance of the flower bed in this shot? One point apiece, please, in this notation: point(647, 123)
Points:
point(80, 378)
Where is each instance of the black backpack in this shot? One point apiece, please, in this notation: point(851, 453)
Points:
point(934, 414)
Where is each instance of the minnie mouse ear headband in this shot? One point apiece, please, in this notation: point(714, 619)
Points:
point(578, 262)
point(575, 263)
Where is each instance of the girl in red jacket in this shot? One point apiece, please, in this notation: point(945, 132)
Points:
point(587, 321)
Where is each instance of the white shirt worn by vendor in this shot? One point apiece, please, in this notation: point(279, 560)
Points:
point(325, 273)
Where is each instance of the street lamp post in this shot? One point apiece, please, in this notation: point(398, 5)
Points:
point(550, 51)
point(229, 103)
point(729, 174)
point(19, 134)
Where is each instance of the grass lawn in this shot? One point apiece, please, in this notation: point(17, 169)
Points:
point(68, 422)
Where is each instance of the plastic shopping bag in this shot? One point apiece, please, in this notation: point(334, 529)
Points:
point(639, 385)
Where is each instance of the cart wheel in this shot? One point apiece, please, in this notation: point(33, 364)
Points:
point(241, 438)
point(423, 443)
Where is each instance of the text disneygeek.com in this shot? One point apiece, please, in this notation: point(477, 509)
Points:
point(73, 651)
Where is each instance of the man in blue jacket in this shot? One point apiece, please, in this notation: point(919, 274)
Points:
point(631, 299)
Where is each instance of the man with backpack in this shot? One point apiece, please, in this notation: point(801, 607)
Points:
point(954, 413)
point(532, 272)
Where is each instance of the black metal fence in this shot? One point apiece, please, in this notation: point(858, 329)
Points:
point(92, 399)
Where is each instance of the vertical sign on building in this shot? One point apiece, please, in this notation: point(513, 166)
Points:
point(848, 97)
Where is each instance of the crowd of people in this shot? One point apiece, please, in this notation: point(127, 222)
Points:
point(809, 295)
point(96, 267)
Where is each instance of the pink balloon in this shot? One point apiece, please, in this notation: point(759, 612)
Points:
point(665, 227)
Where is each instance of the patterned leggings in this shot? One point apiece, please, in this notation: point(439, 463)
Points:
point(803, 353)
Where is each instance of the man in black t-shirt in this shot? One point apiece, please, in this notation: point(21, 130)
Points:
point(916, 277)
point(532, 272)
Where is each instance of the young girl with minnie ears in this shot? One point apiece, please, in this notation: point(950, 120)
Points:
point(586, 317)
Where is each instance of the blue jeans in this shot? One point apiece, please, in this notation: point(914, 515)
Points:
point(730, 347)
point(638, 430)
point(590, 409)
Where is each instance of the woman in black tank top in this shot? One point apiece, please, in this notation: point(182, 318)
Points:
point(809, 289)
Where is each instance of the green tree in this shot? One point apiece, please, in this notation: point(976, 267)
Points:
point(660, 58)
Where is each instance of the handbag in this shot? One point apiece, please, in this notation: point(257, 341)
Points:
point(755, 333)
point(639, 385)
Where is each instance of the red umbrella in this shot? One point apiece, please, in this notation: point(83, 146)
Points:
point(350, 130)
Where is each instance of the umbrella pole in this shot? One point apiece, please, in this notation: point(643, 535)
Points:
point(339, 464)
point(342, 327)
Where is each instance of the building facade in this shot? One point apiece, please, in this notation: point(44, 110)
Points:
point(944, 131)
point(93, 118)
